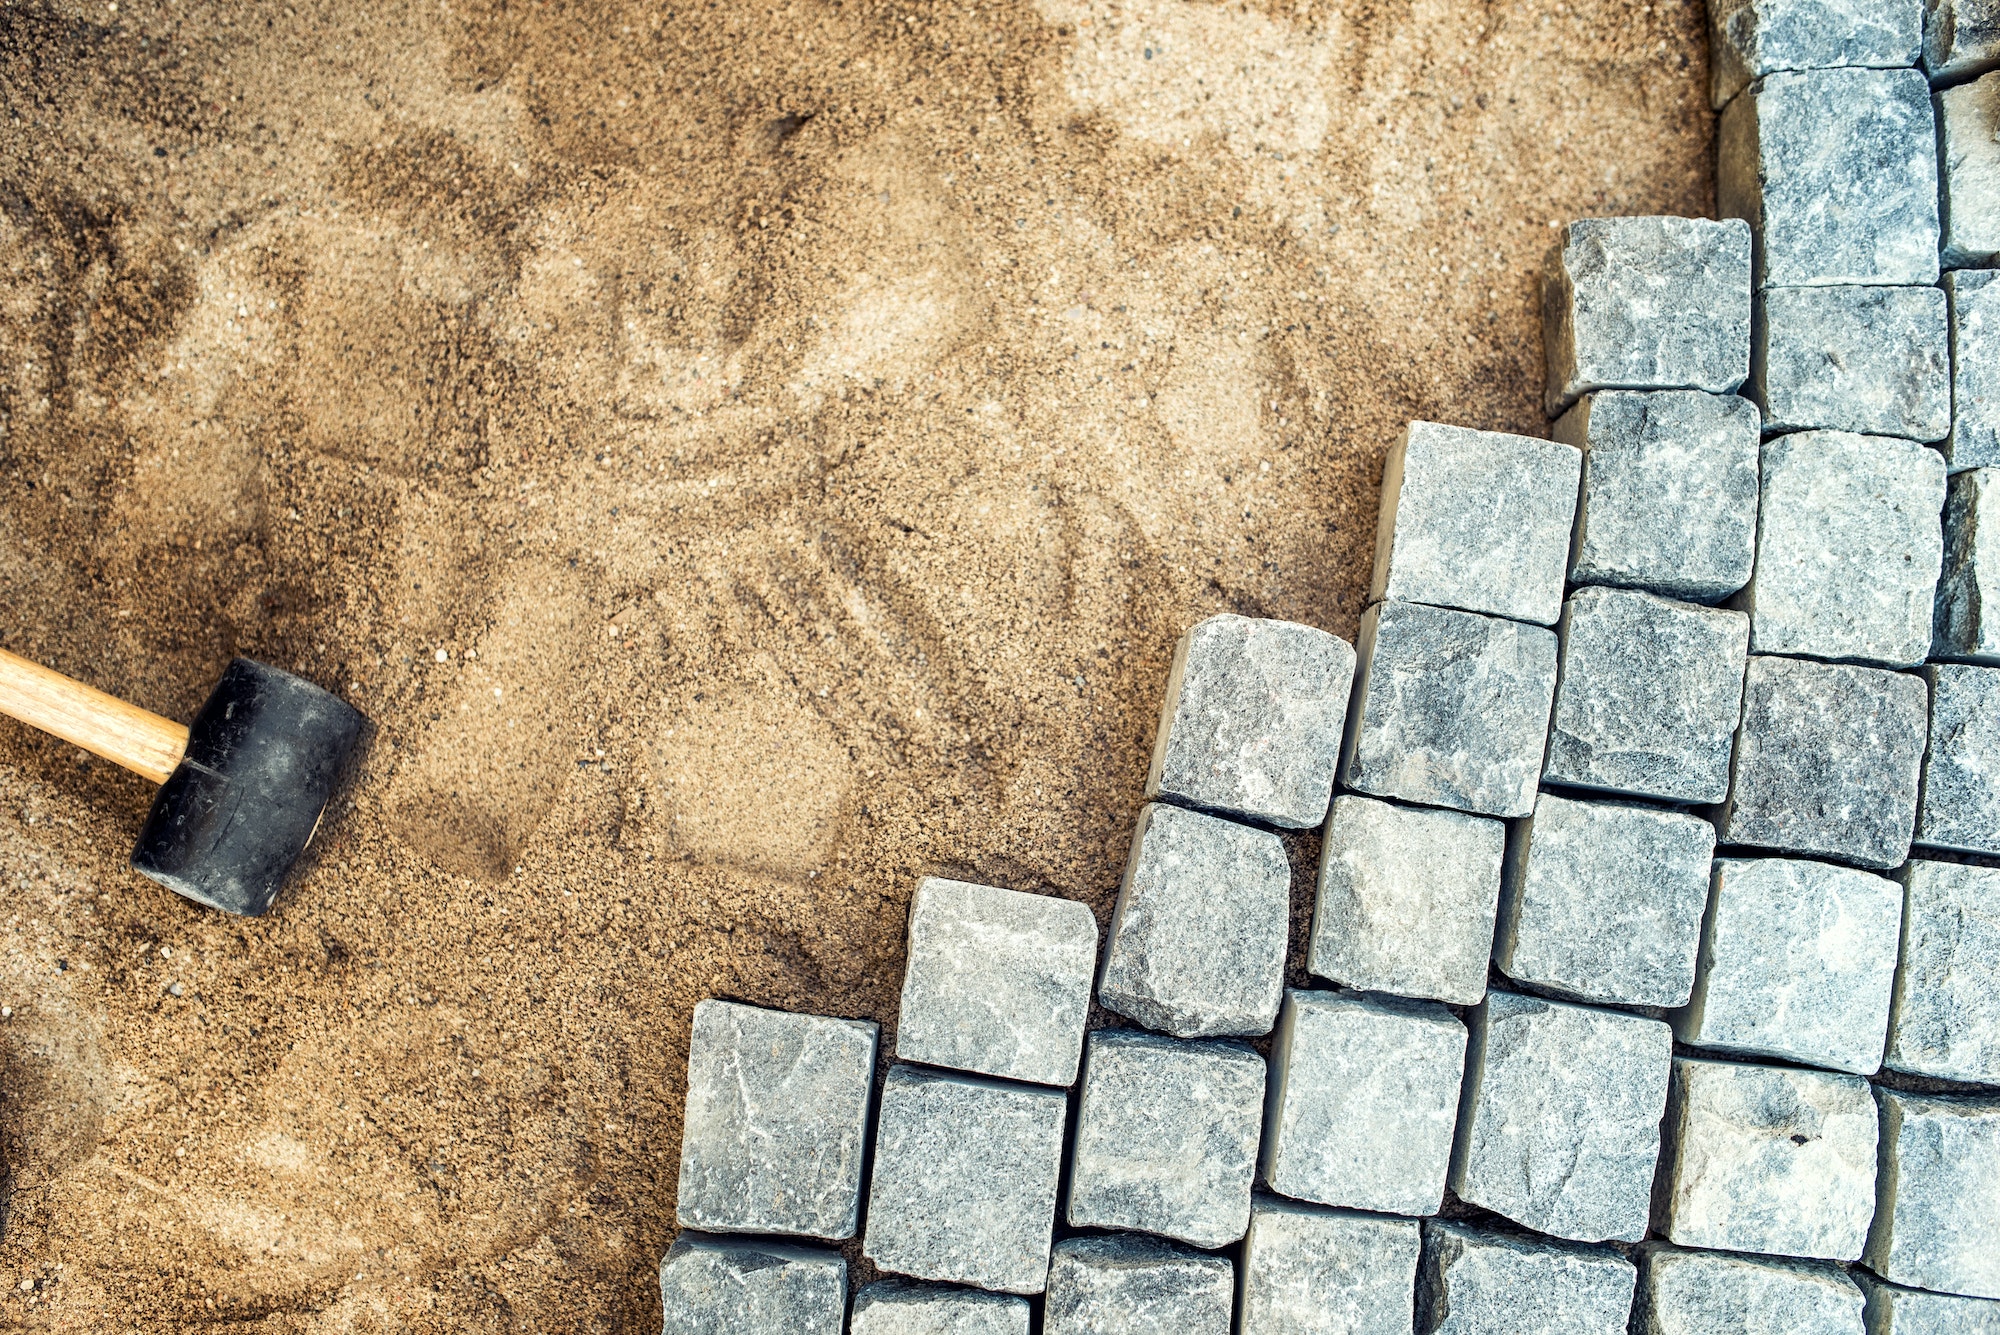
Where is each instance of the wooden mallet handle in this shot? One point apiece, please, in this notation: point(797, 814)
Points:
point(104, 725)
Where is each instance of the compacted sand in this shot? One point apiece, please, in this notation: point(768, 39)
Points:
point(743, 455)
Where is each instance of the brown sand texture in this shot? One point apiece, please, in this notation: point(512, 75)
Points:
point(743, 455)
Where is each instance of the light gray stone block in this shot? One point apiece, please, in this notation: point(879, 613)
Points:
point(1962, 626)
point(1973, 298)
point(1798, 960)
point(997, 981)
point(1166, 1137)
point(1648, 694)
point(1827, 760)
point(1313, 1271)
point(733, 1286)
point(1406, 899)
point(1961, 38)
point(1198, 938)
point(1646, 303)
point(1751, 38)
point(896, 1307)
point(1945, 1018)
point(1769, 1159)
point(776, 1123)
point(1714, 1293)
point(1960, 804)
point(1836, 173)
point(1669, 499)
point(1968, 119)
point(1137, 1286)
point(964, 1184)
point(1875, 360)
point(1603, 901)
point(1560, 1125)
point(1252, 719)
point(1478, 1283)
point(1451, 709)
point(1894, 1310)
point(1936, 1225)
point(1362, 1102)
point(1476, 520)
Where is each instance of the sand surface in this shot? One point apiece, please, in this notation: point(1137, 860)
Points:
point(742, 455)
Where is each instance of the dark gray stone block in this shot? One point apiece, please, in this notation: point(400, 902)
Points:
point(1198, 938)
point(1827, 760)
point(1751, 38)
point(1968, 119)
point(1935, 1222)
point(1451, 709)
point(1713, 1293)
point(1476, 520)
point(1894, 1310)
point(1313, 1271)
point(1963, 628)
point(1875, 360)
point(777, 1120)
point(1478, 1283)
point(1836, 173)
point(734, 1286)
point(1137, 1286)
point(1669, 498)
point(1944, 1021)
point(1961, 38)
point(1647, 696)
point(1252, 719)
point(1646, 303)
point(895, 1307)
point(1960, 804)
point(964, 1185)
point(1973, 297)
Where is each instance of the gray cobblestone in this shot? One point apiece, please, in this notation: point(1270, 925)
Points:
point(1750, 38)
point(1961, 38)
point(1945, 1018)
point(1960, 804)
point(1875, 360)
point(1137, 1286)
point(1969, 169)
point(734, 1286)
point(1478, 1283)
point(1973, 298)
point(1935, 1225)
point(1714, 1293)
point(1308, 1270)
point(896, 1307)
point(1962, 627)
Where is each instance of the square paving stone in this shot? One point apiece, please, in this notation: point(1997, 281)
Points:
point(964, 1185)
point(1961, 37)
point(1944, 1020)
point(1648, 694)
point(1451, 709)
point(1969, 169)
point(1769, 1159)
point(1602, 901)
point(1479, 1283)
point(1646, 303)
point(1827, 760)
point(1894, 1310)
point(1849, 547)
point(733, 1286)
point(1406, 899)
point(1308, 1270)
point(1363, 1100)
point(1252, 720)
point(1798, 960)
point(1936, 1225)
point(1166, 1137)
point(1960, 803)
point(1560, 1125)
point(1973, 299)
point(1137, 1286)
point(1751, 38)
point(896, 1307)
point(1198, 938)
point(1970, 578)
point(1669, 498)
point(1875, 360)
point(1836, 173)
point(997, 982)
point(1714, 1293)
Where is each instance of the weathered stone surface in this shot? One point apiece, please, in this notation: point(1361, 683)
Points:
point(1935, 1222)
point(997, 981)
point(1961, 38)
point(1973, 298)
point(733, 1286)
point(1406, 899)
point(1769, 1159)
point(1647, 696)
point(1560, 1127)
point(1166, 1137)
point(1363, 1100)
point(1751, 38)
point(1314, 1271)
point(895, 1307)
point(1451, 709)
point(1137, 1286)
point(1944, 1021)
point(1827, 760)
point(1712, 1293)
point(1868, 359)
point(1836, 173)
point(777, 1121)
point(1894, 1310)
point(1963, 627)
point(964, 1185)
point(1849, 546)
point(1960, 804)
point(1603, 902)
point(1198, 939)
point(1252, 720)
point(1968, 119)
point(1479, 1283)
point(1669, 498)
point(1797, 962)
point(1476, 520)
point(1646, 303)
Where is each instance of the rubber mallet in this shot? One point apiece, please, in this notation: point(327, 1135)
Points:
point(241, 789)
